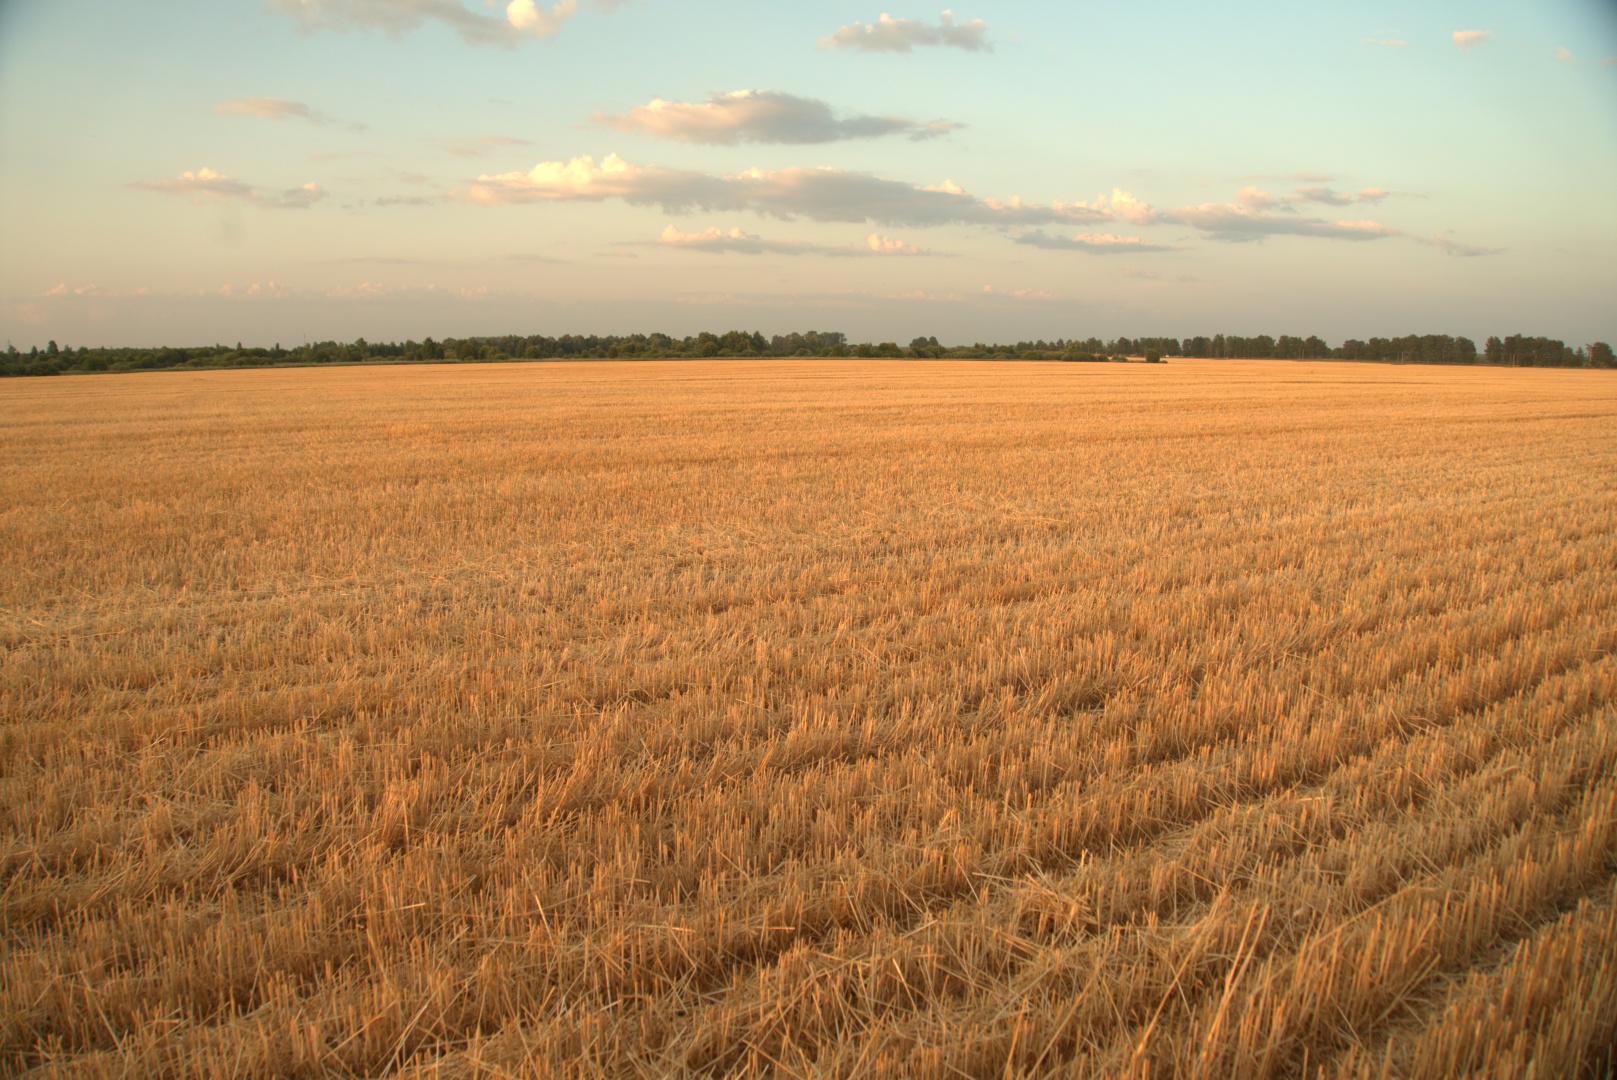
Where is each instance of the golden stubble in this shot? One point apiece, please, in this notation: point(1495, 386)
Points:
point(809, 719)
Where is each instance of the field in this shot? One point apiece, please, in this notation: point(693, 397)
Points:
point(810, 718)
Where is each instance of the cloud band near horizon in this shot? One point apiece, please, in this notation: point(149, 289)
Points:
point(819, 194)
point(394, 18)
point(835, 195)
point(206, 185)
point(762, 116)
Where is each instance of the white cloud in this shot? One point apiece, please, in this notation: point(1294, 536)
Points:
point(1453, 247)
point(1253, 199)
point(1470, 39)
point(820, 194)
point(1564, 55)
point(528, 18)
point(722, 241)
point(1130, 209)
point(1092, 243)
point(1390, 42)
point(889, 245)
point(523, 18)
point(762, 116)
point(206, 185)
point(888, 34)
point(1249, 218)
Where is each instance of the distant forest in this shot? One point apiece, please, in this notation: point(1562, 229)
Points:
point(1514, 351)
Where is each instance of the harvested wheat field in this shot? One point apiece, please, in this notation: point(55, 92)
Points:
point(810, 718)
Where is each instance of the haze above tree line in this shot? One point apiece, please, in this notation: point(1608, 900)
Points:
point(1514, 351)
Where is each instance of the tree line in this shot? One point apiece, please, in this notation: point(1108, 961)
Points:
point(1514, 351)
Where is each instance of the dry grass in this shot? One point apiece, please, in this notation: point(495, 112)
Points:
point(810, 719)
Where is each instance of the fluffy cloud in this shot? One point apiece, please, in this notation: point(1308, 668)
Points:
point(523, 18)
point(1127, 208)
point(1454, 247)
point(1250, 217)
point(877, 244)
point(1253, 199)
point(1389, 41)
point(888, 34)
point(205, 185)
point(1470, 39)
point(762, 116)
point(1093, 243)
point(721, 241)
point(528, 17)
point(821, 194)
point(1564, 55)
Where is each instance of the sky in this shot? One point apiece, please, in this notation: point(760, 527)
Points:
point(280, 171)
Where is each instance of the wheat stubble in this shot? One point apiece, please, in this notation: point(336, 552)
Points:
point(809, 719)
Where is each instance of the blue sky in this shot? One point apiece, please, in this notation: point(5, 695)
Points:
point(273, 170)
